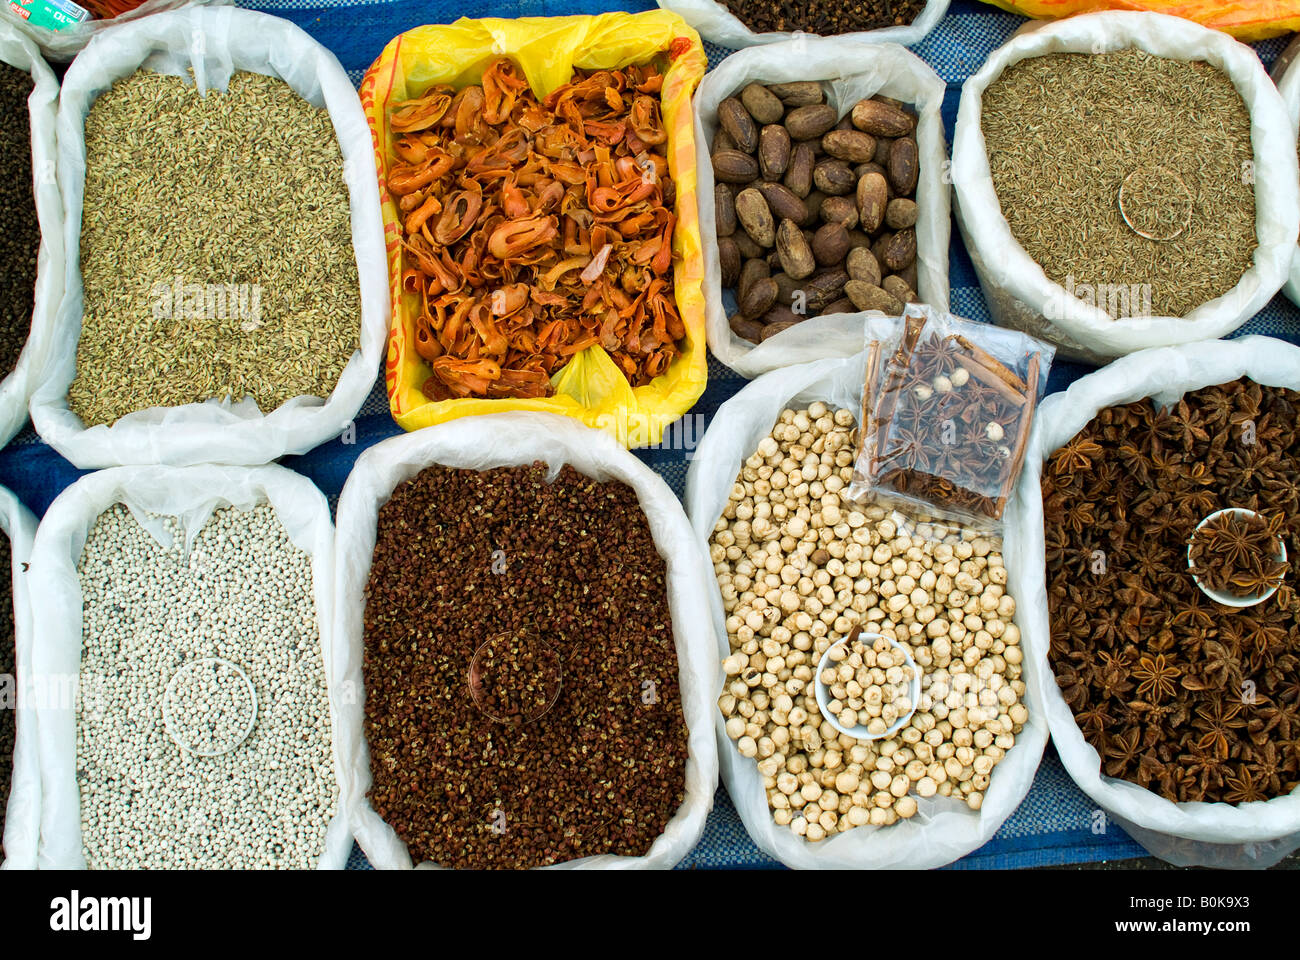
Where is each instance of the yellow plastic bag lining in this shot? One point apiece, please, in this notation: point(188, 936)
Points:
point(590, 387)
point(1247, 20)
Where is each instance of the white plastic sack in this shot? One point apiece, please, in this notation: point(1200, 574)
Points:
point(216, 42)
point(192, 494)
point(508, 440)
point(716, 24)
point(943, 829)
point(63, 45)
point(17, 50)
point(854, 72)
point(1209, 834)
point(1287, 76)
point(1017, 290)
point(23, 813)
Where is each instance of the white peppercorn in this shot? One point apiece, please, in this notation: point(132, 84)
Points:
point(242, 593)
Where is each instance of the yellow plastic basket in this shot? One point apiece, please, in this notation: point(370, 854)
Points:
point(590, 388)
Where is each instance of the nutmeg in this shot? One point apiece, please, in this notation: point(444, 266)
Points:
point(763, 105)
point(732, 166)
point(830, 244)
point(833, 177)
point(724, 209)
point(901, 212)
point(783, 203)
point(735, 119)
point(774, 150)
point(852, 146)
point(904, 165)
point(728, 261)
point(866, 296)
point(801, 93)
point(810, 122)
point(796, 256)
point(873, 196)
point(882, 119)
point(798, 175)
point(755, 216)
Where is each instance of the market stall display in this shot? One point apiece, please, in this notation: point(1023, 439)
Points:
point(800, 567)
point(193, 331)
point(192, 606)
point(1173, 710)
point(744, 23)
point(561, 218)
point(31, 270)
point(20, 787)
point(535, 663)
point(545, 244)
point(1099, 162)
point(1287, 76)
point(846, 144)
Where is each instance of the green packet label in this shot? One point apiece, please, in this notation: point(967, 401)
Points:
point(51, 14)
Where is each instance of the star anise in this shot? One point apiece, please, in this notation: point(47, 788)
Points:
point(1243, 788)
point(1216, 723)
point(1121, 750)
point(1192, 700)
point(1157, 677)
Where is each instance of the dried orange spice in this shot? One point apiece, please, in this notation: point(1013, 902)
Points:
point(534, 229)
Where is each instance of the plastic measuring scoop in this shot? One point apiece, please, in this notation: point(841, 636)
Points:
point(824, 694)
point(200, 735)
point(515, 678)
point(1222, 596)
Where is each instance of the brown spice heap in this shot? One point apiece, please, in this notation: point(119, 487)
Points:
point(21, 238)
point(823, 17)
point(1190, 699)
point(1065, 131)
point(8, 685)
point(1238, 554)
point(464, 556)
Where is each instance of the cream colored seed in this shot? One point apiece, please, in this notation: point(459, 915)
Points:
point(799, 566)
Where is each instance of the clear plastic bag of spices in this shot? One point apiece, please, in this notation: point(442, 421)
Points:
point(947, 405)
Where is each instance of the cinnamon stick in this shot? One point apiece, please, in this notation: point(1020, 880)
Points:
point(864, 420)
point(898, 367)
point(992, 364)
point(990, 379)
point(1022, 437)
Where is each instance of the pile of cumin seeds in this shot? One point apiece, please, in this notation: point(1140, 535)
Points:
point(216, 248)
point(1064, 131)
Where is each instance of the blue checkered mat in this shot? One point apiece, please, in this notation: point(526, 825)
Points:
point(1056, 824)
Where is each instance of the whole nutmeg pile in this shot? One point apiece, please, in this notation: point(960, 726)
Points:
point(522, 697)
point(815, 213)
point(800, 568)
